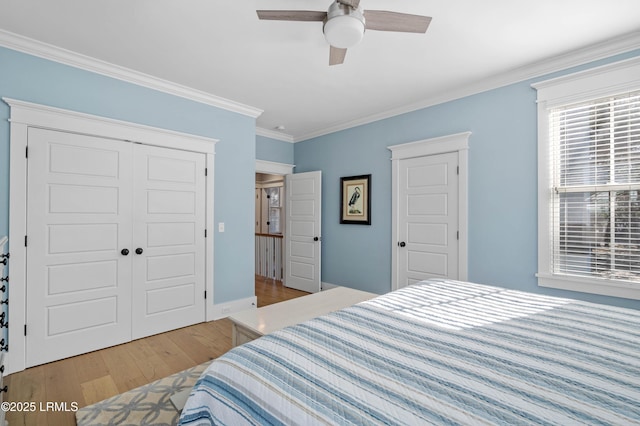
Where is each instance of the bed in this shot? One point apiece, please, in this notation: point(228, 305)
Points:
point(437, 352)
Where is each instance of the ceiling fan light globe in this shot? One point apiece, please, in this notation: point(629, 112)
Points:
point(343, 32)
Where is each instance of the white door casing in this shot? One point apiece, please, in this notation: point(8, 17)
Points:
point(303, 239)
point(168, 244)
point(25, 116)
point(428, 218)
point(426, 236)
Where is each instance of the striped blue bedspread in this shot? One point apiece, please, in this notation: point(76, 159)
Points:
point(438, 352)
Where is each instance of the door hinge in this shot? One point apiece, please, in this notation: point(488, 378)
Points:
point(25, 329)
point(206, 171)
point(205, 294)
point(457, 170)
point(26, 152)
point(25, 240)
point(205, 233)
point(457, 235)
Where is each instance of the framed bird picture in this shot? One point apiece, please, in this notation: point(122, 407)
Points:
point(355, 200)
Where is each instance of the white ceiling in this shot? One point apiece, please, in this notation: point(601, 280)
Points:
point(221, 48)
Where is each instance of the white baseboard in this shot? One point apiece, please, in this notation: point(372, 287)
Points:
point(327, 286)
point(223, 310)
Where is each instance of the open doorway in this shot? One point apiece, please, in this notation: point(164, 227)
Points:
point(269, 226)
point(300, 200)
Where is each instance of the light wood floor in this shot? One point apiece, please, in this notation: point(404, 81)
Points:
point(89, 378)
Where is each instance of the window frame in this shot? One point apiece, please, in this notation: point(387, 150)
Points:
point(264, 207)
point(279, 207)
point(595, 83)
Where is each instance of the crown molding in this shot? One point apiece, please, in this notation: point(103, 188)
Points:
point(576, 57)
point(602, 50)
point(47, 51)
point(272, 134)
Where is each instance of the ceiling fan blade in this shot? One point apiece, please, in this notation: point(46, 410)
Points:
point(336, 55)
point(353, 3)
point(382, 20)
point(291, 15)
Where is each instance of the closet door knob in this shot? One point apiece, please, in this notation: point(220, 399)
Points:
point(139, 250)
point(124, 252)
point(401, 244)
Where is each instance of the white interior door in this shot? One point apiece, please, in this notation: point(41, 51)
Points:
point(79, 219)
point(168, 243)
point(428, 218)
point(303, 236)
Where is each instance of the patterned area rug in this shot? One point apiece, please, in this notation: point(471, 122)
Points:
point(147, 405)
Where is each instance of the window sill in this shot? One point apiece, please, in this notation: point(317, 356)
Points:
point(615, 288)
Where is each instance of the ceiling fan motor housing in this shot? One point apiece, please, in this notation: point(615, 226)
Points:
point(344, 26)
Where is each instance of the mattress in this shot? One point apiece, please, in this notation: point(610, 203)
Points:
point(438, 352)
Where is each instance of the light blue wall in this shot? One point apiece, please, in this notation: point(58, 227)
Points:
point(33, 79)
point(502, 189)
point(269, 149)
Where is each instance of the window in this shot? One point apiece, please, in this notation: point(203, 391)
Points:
point(596, 177)
point(274, 220)
point(589, 181)
point(269, 208)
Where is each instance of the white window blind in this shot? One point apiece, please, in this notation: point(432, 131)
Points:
point(595, 206)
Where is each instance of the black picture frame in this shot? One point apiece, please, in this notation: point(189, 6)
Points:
point(355, 200)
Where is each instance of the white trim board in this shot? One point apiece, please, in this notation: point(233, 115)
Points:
point(53, 53)
point(223, 310)
point(273, 168)
point(433, 146)
point(617, 77)
point(324, 286)
point(459, 143)
point(24, 115)
point(48, 117)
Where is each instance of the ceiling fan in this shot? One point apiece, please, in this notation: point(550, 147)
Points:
point(345, 22)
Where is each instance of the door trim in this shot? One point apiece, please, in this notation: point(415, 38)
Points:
point(273, 168)
point(26, 114)
point(459, 143)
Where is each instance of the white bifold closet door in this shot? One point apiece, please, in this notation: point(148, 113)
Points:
point(115, 246)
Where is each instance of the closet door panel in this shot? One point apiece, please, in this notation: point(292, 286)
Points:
point(169, 213)
point(78, 221)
